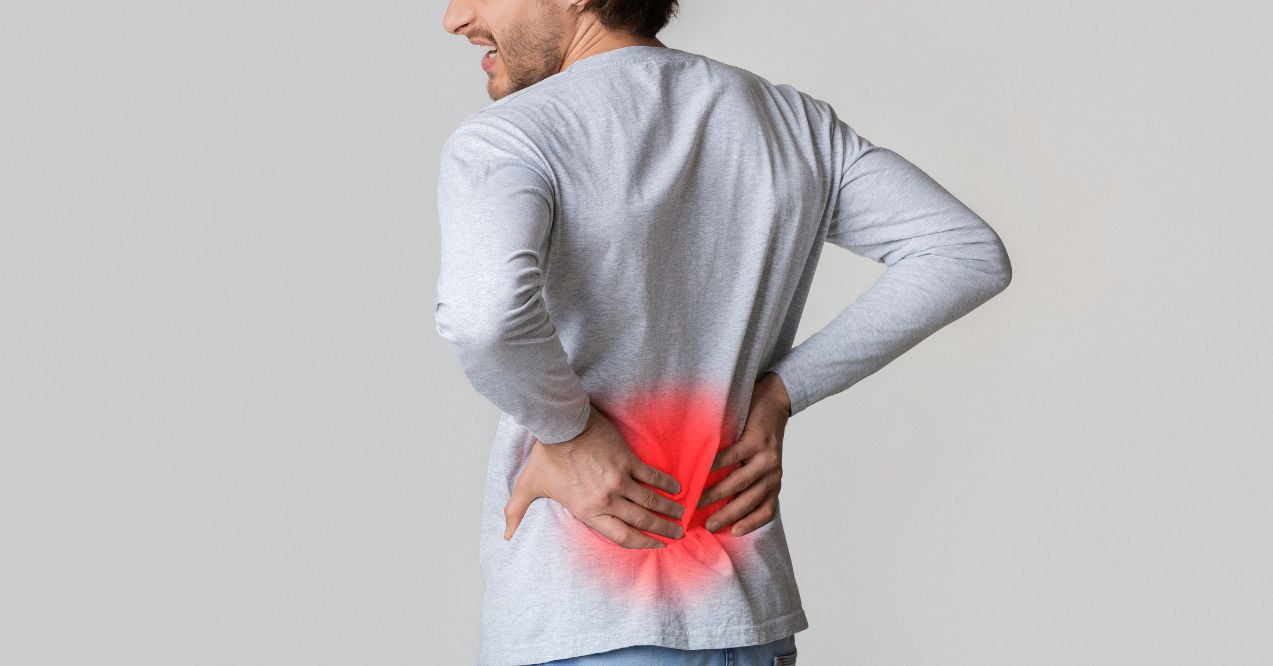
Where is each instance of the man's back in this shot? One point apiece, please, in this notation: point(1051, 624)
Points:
point(637, 234)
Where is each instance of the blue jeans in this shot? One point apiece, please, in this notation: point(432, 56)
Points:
point(781, 652)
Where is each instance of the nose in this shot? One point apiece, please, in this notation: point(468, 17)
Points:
point(459, 15)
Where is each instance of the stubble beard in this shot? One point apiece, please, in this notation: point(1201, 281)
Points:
point(529, 53)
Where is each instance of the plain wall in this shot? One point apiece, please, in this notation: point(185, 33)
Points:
point(231, 434)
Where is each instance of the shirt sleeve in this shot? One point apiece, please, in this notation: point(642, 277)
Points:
point(495, 208)
point(941, 259)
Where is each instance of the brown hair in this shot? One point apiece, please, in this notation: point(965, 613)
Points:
point(643, 18)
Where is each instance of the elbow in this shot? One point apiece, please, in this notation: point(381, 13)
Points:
point(1004, 264)
point(986, 247)
point(1003, 271)
point(991, 257)
point(464, 328)
point(981, 266)
point(468, 338)
point(480, 327)
point(994, 274)
point(992, 267)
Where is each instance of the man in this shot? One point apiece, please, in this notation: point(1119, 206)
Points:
point(629, 232)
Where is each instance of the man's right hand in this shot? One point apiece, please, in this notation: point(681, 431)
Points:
point(595, 476)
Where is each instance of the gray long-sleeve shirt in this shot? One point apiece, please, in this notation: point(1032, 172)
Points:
point(637, 234)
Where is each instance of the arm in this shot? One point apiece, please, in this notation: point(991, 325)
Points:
point(495, 207)
point(942, 262)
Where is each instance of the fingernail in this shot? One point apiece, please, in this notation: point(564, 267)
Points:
point(711, 527)
point(680, 531)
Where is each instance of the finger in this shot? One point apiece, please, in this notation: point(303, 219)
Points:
point(760, 516)
point(656, 477)
point(653, 501)
point(621, 533)
point(742, 505)
point(642, 518)
point(737, 452)
point(735, 482)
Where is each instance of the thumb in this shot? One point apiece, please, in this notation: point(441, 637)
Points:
point(515, 510)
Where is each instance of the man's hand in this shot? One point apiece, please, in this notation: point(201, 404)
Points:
point(595, 476)
point(759, 449)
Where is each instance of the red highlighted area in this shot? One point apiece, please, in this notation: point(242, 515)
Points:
point(678, 430)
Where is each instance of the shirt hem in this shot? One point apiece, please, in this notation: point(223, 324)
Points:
point(704, 639)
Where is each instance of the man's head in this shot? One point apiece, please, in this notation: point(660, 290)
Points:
point(535, 39)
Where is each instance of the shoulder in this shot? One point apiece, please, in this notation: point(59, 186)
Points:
point(522, 118)
point(795, 104)
point(520, 125)
point(486, 139)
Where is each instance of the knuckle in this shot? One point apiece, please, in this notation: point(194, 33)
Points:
point(639, 521)
point(603, 501)
point(649, 500)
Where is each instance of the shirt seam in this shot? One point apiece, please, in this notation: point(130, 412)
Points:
point(599, 65)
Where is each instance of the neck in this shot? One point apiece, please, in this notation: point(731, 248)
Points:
point(609, 41)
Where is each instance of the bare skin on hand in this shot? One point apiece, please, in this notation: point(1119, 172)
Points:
point(757, 480)
point(598, 478)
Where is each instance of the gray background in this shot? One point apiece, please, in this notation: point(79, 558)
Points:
point(231, 434)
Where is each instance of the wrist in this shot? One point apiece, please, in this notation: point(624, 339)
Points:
point(775, 391)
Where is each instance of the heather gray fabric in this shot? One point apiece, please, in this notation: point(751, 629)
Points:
point(646, 224)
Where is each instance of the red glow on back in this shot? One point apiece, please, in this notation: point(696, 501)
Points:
point(677, 429)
